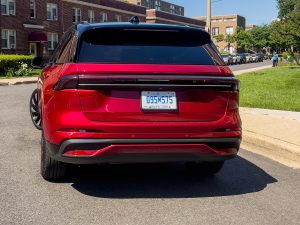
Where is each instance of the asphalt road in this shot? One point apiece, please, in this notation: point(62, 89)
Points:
point(250, 189)
point(250, 65)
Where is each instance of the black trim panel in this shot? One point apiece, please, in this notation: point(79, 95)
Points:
point(57, 151)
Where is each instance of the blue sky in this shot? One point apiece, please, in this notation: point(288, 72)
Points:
point(256, 11)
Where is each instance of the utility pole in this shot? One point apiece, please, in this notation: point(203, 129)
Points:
point(208, 20)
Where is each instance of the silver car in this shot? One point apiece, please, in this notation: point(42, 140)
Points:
point(236, 59)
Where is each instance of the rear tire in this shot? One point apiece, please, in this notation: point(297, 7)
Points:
point(205, 168)
point(50, 168)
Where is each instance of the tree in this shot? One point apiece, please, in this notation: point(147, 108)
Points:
point(285, 33)
point(229, 40)
point(287, 6)
point(219, 37)
point(243, 38)
point(260, 37)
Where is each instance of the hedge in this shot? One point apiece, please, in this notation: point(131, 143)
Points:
point(14, 62)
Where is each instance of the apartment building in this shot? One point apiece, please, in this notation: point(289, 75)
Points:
point(226, 25)
point(35, 26)
point(160, 6)
point(158, 16)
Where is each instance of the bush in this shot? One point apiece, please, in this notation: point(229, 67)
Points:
point(284, 55)
point(19, 64)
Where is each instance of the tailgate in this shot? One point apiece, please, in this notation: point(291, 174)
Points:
point(107, 95)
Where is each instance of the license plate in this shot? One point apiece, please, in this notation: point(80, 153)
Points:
point(159, 100)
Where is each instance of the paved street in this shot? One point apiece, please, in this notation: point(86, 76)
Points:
point(250, 190)
point(250, 65)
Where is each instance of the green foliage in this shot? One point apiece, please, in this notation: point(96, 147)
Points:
point(285, 33)
point(260, 36)
point(243, 39)
point(220, 37)
point(14, 62)
point(287, 6)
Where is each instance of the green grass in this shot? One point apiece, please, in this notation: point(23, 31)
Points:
point(275, 88)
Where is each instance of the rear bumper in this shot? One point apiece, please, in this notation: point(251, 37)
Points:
point(93, 151)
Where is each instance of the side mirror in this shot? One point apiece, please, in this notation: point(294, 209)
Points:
point(37, 62)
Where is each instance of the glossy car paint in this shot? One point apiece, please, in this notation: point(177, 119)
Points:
point(116, 113)
point(63, 117)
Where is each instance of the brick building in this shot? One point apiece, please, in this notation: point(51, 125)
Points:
point(157, 16)
point(160, 6)
point(35, 26)
point(226, 25)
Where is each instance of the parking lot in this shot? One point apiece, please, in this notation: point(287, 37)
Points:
point(250, 190)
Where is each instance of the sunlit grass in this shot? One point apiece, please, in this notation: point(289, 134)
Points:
point(275, 88)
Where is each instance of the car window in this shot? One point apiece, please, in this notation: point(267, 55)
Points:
point(147, 46)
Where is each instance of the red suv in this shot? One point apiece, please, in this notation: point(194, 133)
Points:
point(136, 93)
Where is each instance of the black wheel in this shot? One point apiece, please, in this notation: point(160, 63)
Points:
point(50, 168)
point(204, 168)
point(34, 110)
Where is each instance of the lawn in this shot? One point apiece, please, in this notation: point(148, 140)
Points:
point(275, 88)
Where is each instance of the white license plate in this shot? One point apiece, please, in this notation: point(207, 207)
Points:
point(159, 100)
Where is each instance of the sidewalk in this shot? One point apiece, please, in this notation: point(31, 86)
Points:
point(239, 72)
point(272, 133)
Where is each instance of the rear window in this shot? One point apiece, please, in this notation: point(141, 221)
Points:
point(147, 46)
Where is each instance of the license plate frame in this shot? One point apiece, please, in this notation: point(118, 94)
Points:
point(160, 101)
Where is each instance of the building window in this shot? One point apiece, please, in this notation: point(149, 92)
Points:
point(215, 31)
point(180, 11)
point(229, 19)
point(229, 30)
point(52, 40)
point(51, 11)
point(231, 49)
point(217, 20)
point(91, 16)
point(172, 9)
point(103, 17)
point(157, 5)
point(76, 15)
point(8, 7)
point(32, 9)
point(147, 4)
point(118, 18)
point(8, 39)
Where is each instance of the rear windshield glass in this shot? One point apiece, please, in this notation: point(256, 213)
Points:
point(147, 46)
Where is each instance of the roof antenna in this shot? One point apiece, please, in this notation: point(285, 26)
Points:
point(134, 20)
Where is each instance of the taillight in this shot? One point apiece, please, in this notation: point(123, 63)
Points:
point(67, 82)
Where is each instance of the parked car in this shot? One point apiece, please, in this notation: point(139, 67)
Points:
point(227, 59)
point(260, 57)
point(243, 58)
point(248, 57)
point(236, 59)
point(161, 93)
point(254, 58)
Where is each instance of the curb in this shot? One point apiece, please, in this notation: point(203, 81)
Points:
point(18, 81)
point(275, 149)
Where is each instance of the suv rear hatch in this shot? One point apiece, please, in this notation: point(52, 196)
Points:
point(136, 74)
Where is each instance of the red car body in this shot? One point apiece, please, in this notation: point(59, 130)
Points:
point(91, 112)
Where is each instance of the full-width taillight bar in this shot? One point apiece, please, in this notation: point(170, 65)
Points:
point(104, 81)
